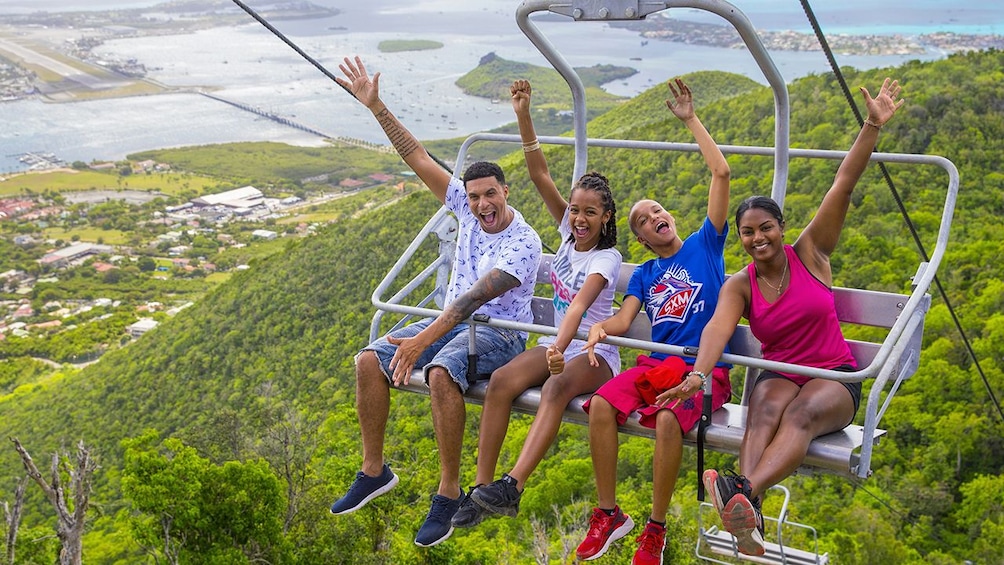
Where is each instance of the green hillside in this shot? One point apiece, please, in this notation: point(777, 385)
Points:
point(258, 376)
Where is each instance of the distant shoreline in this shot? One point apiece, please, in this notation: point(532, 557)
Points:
point(251, 67)
point(714, 35)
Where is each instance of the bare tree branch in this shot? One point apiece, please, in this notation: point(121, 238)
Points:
point(70, 526)
point(12, 519)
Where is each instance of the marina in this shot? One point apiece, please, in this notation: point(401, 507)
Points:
point(40, 161)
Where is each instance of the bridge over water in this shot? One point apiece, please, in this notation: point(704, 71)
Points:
point(293, 124)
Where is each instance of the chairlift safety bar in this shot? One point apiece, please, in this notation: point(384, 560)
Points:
point(917, 296)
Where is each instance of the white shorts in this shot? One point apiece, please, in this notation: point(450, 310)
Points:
point(610, 353)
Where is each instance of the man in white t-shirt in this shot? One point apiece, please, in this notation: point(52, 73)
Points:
point(494, 272)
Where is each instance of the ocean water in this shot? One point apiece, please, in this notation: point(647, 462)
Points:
point(248, 64)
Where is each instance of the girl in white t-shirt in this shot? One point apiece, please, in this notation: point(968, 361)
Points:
point(584, 276)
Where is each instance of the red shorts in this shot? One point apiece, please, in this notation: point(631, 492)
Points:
point(621, 393)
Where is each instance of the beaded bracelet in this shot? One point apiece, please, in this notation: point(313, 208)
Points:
point(704, 378)
point(532, 146)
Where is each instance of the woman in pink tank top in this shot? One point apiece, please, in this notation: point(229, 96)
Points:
point(785, 294)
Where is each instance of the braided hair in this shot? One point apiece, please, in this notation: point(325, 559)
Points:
point(597, 182)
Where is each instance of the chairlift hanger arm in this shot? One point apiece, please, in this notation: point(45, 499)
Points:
point(613, 10)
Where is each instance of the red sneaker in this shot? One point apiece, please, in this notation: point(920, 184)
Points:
point(651, 544)
point(742, 519)
point(603, 530)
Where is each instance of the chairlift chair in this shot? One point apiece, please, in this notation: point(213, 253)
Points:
point(887, 362)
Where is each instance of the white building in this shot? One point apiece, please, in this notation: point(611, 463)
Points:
point(64, 256)
point(264, 234)
point(244, 197)
point(142, 326)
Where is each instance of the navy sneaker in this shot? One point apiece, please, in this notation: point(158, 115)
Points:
point(364, 489)
point(469, 514)
point(500, 497)
point(438, 525)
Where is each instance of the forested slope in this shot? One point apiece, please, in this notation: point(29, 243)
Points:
point(261, 369)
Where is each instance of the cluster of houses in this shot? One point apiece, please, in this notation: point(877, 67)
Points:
point(15, 82)
point(19, 319)
point(25, 209)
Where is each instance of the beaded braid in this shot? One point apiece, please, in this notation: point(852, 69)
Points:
point(597, 182)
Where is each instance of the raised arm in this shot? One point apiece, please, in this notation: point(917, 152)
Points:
point(817, 241)
point(536, 164)
point(367, 91)
point(487, 288)
point(682, 107)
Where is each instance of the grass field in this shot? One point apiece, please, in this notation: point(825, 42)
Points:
point(89, 235)
point(69, 181)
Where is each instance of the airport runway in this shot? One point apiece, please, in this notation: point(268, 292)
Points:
point(30, 57)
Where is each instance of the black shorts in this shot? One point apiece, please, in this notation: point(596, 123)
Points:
point(853, 388)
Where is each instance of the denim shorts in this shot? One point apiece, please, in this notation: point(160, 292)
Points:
point(494, 347)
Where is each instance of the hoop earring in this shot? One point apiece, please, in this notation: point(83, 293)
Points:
point(603, 230)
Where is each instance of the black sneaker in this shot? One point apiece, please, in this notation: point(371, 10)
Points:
point(438, 525)
point(364, 489)
point(500, 497)
point(469, 514)
point(722, 488)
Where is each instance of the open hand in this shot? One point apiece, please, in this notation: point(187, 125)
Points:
point(358, 82)
point(882, 107)
point(680, 392)
point(403, 362)
point(682, 104)
point(596, 334)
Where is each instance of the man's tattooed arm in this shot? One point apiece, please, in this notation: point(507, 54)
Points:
point(488, 287)
point(402, 140)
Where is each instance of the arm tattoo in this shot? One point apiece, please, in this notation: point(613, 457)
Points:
point(404, 143)
point(494, 284)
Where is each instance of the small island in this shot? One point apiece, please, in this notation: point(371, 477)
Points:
point(398, 45)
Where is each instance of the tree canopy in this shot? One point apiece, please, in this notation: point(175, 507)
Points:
point(261, 368)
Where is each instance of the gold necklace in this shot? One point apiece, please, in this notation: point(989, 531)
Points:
point(780, 283)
